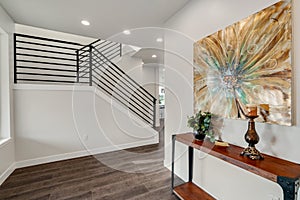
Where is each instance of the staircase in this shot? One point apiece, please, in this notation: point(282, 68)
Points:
point(45, 60)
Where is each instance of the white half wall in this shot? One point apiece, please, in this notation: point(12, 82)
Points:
point(59, 122)
point(195, 21)
point(7, 153)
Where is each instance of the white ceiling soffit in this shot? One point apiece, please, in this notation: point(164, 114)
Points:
point(146, 55)
point(107, 17)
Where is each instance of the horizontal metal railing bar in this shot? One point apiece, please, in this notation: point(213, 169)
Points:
point(118, 79)
point(115, 52)
point(46, 45)
point(104, 51)
point(103, 41)
point(141, 95)
point(109, 56)
point(41, 80)
point(110, 46)
point(47, 39)
point(84, 71)
point(84, 67)
point(86, 60)
point(121, 74)
point(55, 75)
point(127, 76)
point(84, 76)
point(40, 56)
point(83, 51)
point(47, 69)
point(134, 94)
point(46, 51)
point(48, 63)
point(89, 44)
point(110, 94)
point(121, 101)
point(119, 88)
point(87, 55)
point(103, 46)
point(112, 57)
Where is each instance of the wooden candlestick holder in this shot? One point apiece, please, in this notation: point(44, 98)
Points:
point(252, 139)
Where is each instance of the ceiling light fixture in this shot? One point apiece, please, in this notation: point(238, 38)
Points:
point(154, 56)
point(159, 39)
point(85, 22)
point(127, 32)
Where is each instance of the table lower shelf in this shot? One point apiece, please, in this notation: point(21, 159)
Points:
point(190, 191)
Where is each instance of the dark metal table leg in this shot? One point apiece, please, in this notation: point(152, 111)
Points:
point(173, 160)
point(191, 159)
point(289, 186)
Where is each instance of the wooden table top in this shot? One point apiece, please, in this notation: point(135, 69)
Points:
point(270, 167)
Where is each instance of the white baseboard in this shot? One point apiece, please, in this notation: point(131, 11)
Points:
point(7, 172)
point(54, 158)
point(48, 159)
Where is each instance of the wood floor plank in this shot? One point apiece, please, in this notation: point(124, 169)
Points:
point(133, 174)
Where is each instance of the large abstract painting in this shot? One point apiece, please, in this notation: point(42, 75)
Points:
point(248, 62)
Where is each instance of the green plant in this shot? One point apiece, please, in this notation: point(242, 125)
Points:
point(201, 123)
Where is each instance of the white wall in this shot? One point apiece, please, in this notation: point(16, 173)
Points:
point(195, 21)
point(59, 122)
point(7, 156)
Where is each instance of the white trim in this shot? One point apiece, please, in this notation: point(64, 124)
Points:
point(48, 159)
point(52, 87)
point(7, 173)
point(53, 158)
point(5, 141)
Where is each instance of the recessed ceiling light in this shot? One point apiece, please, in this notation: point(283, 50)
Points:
point(85, 22)
point(154, 56)
point(159, 39)
point(126, 32)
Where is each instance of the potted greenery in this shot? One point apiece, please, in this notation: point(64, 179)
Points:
point(201, 124)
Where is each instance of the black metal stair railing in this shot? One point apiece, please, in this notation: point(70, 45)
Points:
point(45, 60)
point(97, 69)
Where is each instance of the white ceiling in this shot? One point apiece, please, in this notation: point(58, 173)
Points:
point(107, 17)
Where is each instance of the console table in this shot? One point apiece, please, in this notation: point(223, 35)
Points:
point(283, 172)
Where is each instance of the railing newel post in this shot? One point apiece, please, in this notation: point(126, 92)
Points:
point(91, 65)
point(15, 58)
point(77, 66)
point(154, 112)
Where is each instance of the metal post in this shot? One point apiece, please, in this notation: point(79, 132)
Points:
point(154, 112)
point(173, 160)
point(91, 64)
point(289, 186)
point(77, 65)
point(191, 159)
point(120, 50)
point(15, 58)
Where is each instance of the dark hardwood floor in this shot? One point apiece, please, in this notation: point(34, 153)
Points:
point(136, 173)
